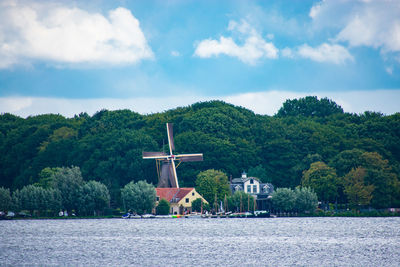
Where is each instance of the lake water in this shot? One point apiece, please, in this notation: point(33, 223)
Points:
point(201, 242)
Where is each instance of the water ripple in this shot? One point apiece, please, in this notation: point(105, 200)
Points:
point(201, 242)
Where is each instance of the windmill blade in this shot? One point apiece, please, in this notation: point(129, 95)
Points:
point(170, 133)
point(173, 179)
point(152, 155)
point(189, 157)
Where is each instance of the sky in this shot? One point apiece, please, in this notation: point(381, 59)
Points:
point(69, 57)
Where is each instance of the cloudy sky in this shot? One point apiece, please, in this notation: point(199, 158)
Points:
point(69, 57)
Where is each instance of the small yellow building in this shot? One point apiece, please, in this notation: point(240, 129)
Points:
point(180, 199)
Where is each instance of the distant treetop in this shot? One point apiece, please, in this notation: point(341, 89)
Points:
point(309, 106)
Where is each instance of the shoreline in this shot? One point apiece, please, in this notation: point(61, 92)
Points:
point(276, 216)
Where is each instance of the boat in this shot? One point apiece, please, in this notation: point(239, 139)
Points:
point(194, 216)
point(148, 216)
point(163, 216)
point(4, 216)
point(261, 214)
point(131, 216)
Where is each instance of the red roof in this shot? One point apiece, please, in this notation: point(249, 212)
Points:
point(173, 193)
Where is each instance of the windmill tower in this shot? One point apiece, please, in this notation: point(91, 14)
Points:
point(166, 167)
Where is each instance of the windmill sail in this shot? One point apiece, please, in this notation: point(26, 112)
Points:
point(150, 155)
point(170, 133)
point(190, 157)
point(168, 176)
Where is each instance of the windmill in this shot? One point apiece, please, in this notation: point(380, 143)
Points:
point(166, 167)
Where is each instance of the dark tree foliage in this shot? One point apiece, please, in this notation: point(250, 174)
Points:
point(309, 106)
point(108, 145)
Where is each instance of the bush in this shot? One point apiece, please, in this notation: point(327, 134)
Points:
point(163, 207)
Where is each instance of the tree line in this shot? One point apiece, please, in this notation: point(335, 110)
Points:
point(59, 189)
point(345, 158)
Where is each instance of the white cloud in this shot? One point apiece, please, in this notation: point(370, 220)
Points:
point(373, 23)
point(332, 53)
point(29, 106)
point(32, 31)
point(315, 9)
point(389, 70)
point(287, 52)
point(269, 102)
point(175, 53)
point(270, 36)
point(253, 48)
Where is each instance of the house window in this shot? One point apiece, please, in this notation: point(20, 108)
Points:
point(187, 200)
point(251, 181)
point(254, 188)
point(158, 198)
point(248, 188)
point(192, 193)
point(266, 189)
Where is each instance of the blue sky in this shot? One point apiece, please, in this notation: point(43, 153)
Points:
point(67, 57)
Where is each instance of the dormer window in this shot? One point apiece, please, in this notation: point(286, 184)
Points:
point(266, 188)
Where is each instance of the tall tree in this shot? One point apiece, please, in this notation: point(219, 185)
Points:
point(323, 180)
point(309, 106)
point(94, 198)
point(379, 173)
point(259, 172)
point(5, 199)
point(357, 192)
point(211, 183)
point(68, 180)
point(306, 199)
point(139, 197)
point(283, 199)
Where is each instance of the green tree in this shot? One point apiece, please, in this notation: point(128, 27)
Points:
point(323, 180)
point(357, 192)
point(212, 182)
point(163, 207)
point(306, 199)
point(196, 205)
point(5, 199)
point(54, 200)
point(309, 106)
point(94, 198)
point(385, 181)
point(45, 177)
point(139, 197)
point(283, 199)
point(69, 183)
point(346, 160)
point(16, 201)
point(34, 198)
point(259, 172)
